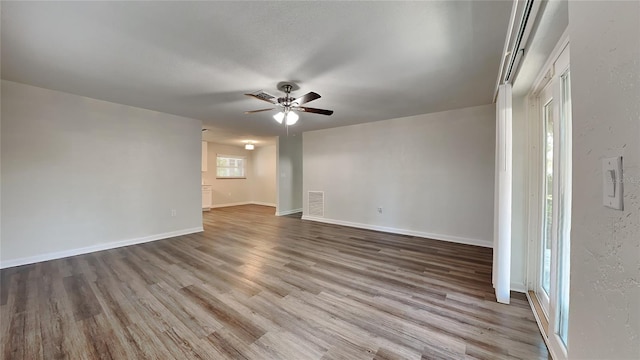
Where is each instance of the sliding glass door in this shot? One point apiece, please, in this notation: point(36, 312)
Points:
point(553, 258)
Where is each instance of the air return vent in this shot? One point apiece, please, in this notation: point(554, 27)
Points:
point(316, 203)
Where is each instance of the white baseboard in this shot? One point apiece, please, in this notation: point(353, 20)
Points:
point(455, 239)
point(242, 203)
point(230, 204)
point(262, 203)
point(288, 212)
point(518, 287)
point(94, 248)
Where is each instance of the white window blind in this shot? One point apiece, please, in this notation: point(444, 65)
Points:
point(231, 167)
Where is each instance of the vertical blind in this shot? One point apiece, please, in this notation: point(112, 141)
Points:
point(502, 203)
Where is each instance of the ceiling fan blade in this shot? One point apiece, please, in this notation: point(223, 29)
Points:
point(314, 110)
point(256, 111)
point(261, 95)
point(306, 98)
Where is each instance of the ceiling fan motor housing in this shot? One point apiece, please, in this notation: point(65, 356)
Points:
point(286, 101)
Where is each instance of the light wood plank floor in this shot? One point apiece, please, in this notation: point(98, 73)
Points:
point(256, 286)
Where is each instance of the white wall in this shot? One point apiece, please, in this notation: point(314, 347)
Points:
point(604, 315)
point(259, 187)
point(227, 191)
point(263, 182)
point(289, 170)
point(432, 174)
point(80, 174)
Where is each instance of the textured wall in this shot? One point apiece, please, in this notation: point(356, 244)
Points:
point(604, 314)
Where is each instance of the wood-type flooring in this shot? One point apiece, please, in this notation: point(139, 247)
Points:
point(257, 286)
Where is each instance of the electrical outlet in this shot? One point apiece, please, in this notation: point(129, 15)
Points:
point(174, 212)
point(380, 210)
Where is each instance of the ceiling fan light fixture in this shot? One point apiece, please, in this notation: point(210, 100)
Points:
point(292, 118)
point(279, 117)
point(249, 146)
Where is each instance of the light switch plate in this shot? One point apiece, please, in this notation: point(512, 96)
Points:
point(612, 182)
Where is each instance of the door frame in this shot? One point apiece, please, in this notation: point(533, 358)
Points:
point(535, 208)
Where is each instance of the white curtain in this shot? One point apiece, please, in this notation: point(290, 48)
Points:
point(502, 203)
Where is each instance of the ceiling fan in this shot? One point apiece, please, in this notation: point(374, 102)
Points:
point(288, 104)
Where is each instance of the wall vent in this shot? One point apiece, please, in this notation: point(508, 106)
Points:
point(316, 203)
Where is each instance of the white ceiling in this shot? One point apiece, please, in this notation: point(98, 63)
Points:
point(369, 60)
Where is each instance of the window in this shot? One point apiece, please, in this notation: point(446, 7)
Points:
point(230, 167)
